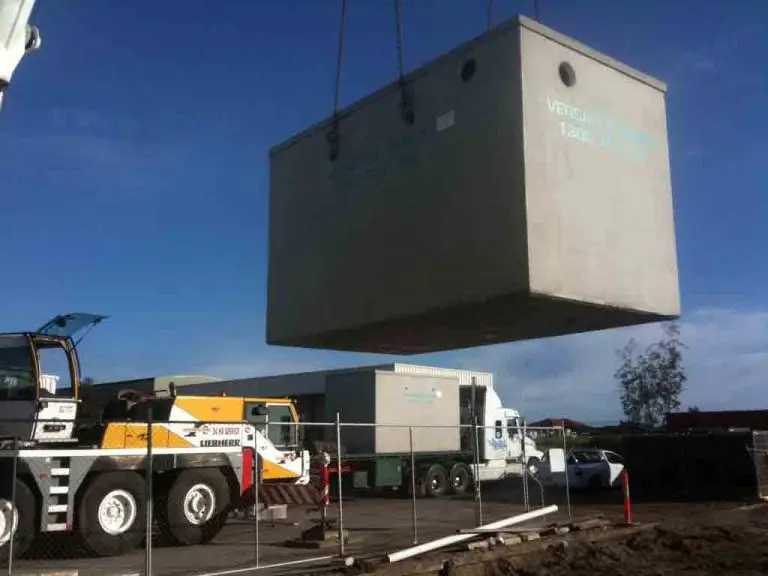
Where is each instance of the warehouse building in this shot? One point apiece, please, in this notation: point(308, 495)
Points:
point(95, 396)
point(308, 387)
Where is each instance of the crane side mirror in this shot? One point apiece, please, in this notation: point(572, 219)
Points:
point(259, 410)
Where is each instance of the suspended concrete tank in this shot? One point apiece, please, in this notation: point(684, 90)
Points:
point(529, 198)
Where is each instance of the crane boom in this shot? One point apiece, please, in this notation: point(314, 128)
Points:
point(17, 38)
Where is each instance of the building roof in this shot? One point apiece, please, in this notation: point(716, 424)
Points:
point(561, 423)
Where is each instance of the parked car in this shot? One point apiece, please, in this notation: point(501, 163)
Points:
point(588, 469)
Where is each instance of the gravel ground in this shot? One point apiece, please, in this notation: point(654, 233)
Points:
point(377, 525)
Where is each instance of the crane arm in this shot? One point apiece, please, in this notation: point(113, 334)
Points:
point(17, 38)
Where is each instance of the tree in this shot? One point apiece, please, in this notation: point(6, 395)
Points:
point(651, 381)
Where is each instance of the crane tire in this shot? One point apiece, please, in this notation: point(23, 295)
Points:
point(111, 515)
point(195, 508)
point(22, 515)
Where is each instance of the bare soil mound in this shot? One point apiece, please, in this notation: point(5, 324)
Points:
point(737, 543)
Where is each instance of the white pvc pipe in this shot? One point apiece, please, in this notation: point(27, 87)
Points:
point(267, 566)
point(448, 540)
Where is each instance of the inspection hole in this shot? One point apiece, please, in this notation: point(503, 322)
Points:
point(567, 74)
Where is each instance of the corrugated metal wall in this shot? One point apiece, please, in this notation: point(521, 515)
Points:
point(464, 376)
point(295, 383)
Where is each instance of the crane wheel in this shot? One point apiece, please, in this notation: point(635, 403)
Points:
point(19, 519)
point(111, 519)
point(194, 510)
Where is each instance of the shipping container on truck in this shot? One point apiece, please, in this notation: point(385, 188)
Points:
point(431, 416)
point(380, 406)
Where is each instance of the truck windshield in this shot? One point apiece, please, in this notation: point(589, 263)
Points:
point(17, 370)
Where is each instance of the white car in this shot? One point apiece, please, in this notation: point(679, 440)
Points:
point(588, 468)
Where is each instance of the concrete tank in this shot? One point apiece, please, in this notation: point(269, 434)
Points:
point(531, 197)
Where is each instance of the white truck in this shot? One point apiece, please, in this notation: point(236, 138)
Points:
point(396, 400)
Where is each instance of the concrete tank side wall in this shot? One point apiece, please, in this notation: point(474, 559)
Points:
point(349, 239)
point(598, 186)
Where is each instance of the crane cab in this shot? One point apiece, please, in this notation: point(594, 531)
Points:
point(32, 408)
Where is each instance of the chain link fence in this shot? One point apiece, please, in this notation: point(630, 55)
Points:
point(140, 501)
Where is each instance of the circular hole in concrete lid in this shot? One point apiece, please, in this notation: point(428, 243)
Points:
point(567, 74)
point(468, 69)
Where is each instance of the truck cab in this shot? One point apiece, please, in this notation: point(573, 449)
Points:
point(509, 440)
point(505, 448)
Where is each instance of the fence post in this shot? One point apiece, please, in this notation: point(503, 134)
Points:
point(326, 480)
point(150, 494)
point(14, 511)
point(476, 455)
point(567, 482)
point(256, 471)
point(526, 497)
point(338, 476)
point(413, 486)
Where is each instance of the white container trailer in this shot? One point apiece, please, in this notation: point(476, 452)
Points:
point(383, 405)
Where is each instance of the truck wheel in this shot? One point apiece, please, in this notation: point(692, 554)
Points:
point(17, 521)
point(196, 506)
point(533, 465)
point(111, 519)
point(436, 481)
point(459, 478)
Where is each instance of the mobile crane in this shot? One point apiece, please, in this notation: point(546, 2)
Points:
point(60, 474)
point(17, 38)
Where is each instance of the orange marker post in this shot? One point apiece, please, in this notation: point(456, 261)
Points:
point(627, 501)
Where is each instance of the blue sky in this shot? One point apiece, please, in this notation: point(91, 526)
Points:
point(134, 177)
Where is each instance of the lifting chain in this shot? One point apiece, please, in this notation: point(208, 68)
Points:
point(406, 94)
point(333, 133)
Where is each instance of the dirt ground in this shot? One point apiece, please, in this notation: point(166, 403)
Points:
point(729, 543)
point(712, 542)
point(385, 524)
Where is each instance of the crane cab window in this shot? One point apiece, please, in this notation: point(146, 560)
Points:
point(55, 371)
point(274, 421)
point(281, 432)
point(17, 369)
